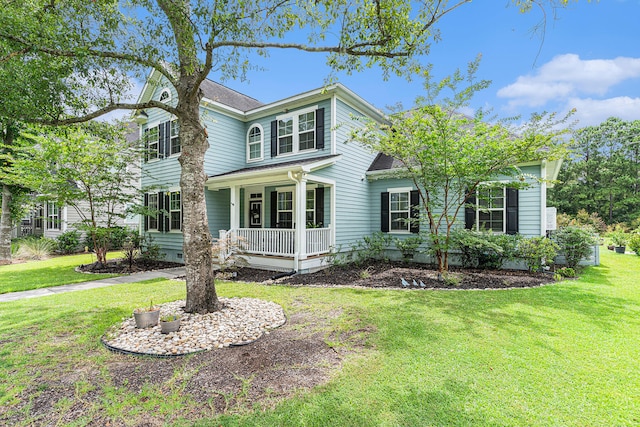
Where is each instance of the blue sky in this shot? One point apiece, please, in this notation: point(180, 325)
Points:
point(589, 59)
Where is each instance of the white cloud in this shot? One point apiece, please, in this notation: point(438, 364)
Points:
point(591, 112)
point(569, 76)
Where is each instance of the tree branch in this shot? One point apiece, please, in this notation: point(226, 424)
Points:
point(329, 49)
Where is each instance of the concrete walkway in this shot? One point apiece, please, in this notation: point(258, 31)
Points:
point(169, 273)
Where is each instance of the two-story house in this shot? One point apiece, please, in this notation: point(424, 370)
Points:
point(283, 179)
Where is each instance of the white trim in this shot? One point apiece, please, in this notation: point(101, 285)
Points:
point(334, 120)
point(407, 191)
point(503, 209)
point(291, 113)
point(400, 189)
point(248, 151)
point(294, 115)
point(543, 200)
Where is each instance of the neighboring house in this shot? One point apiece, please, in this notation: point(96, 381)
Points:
point(49, 219)
point(284, 180)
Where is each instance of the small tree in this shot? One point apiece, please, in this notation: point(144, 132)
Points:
point(87, 167)
point(448, 155)
point(575, 243)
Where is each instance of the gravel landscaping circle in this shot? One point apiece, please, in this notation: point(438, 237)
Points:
point(241, 321)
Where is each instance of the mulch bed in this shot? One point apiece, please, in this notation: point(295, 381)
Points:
point(390, 275)
point(121, 267)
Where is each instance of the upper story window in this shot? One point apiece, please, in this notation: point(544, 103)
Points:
point(165, 95)
point(254, 143)
point(162, 140)
point(297, 131)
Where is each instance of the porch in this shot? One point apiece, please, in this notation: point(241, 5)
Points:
point(280, 217)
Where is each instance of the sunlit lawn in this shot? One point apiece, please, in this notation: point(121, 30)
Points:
point(50, 272)
point(560, 355)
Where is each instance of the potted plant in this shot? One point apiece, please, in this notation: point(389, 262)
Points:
point(146, 317)
point(170, 323)
point(620, 240)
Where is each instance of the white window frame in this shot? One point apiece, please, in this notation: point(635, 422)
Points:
point(311, 210)
point(174, 136)
point(405, 224)
point(502, 209)
point(53, 216)
point(172, 209)
point(295, 129)
point(292, 210)
point(152, 154)
point(260, 142)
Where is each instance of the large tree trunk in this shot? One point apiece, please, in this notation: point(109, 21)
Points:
point(5, 226)
point(201, 291)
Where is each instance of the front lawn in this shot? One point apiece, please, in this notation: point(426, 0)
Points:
point(50, 272)
point(563, 354)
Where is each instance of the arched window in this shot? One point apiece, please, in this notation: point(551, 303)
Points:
point(165, 95)
point(254, 143)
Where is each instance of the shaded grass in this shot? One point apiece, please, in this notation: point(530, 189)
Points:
point(564, 354)
point(47, 273)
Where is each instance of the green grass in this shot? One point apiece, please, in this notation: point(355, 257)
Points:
point(561, 355)
point(51, 272)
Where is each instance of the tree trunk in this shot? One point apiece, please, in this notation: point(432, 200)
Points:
point(5, 226)
point(197, 246)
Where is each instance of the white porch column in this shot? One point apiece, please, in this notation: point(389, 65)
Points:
point(234, 206)
point(301, 216)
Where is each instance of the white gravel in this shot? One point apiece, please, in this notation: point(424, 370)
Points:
point(242, 320)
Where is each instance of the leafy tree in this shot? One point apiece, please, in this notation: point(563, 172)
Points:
point(106, 42)
point(87, 167)
point(602, 175)
point(448, 155)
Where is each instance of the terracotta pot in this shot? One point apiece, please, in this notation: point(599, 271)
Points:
point(146, 319)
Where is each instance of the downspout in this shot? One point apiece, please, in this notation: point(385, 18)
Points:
point(296, 254)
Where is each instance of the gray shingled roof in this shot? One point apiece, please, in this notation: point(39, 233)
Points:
point(384, 162)
point(222, 94)
point(276, 165)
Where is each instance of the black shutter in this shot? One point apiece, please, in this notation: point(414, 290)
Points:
point(145, 137)
point(414, 225)
point(512, 210)
point(146, 217)
point(167, 206)
point(274, 138)
point(320, 206)
point(320, 128)
point(167, 138)
point(384, 211)
point(161, 133)
point(160, 211)
point(470, 214)
point(274, 209)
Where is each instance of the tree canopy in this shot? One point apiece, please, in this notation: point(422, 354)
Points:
point(602, 174)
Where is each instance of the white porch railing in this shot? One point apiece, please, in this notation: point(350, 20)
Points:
point(318, 241)
point(278, 241)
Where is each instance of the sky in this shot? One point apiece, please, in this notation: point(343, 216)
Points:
point(587, 58)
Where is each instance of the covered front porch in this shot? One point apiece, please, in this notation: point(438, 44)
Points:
point(280, 216)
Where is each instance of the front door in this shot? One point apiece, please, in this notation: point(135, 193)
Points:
point(255, 214)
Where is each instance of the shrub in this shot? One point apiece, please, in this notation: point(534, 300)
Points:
point(634, 244)
point(566, 272)
point(150, 251)
point(619, 238)
point(537, 252)
point(408, 246)
point(371, 248)
point(132, 247)
point(68, 242)
point(575, 243)
point(484, 250)
point(35, 248)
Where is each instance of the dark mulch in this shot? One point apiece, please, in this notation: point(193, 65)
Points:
point(122, 267)
point(390, 275)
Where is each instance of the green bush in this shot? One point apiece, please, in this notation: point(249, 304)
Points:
point(68, 242)
point(634, 243)
point(484, 250)
point(575, 243)
point(408, 246)
point(566, 272)
point(537, 252)
point(371, 248)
